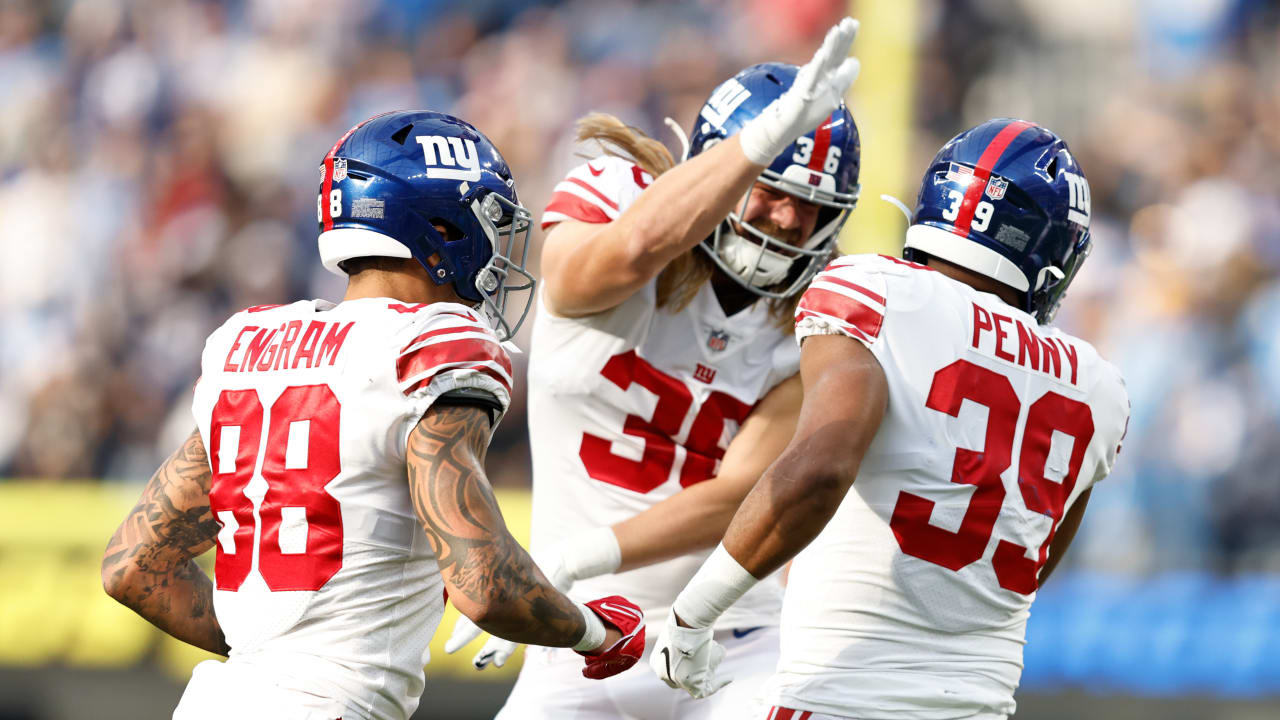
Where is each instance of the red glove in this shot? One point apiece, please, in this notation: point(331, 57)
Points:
point(624, 615)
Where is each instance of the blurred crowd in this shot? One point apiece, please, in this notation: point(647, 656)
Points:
point(158, 169)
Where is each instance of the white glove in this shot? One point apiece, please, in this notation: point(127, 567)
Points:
point(586, 555)
point(687, 658)
point(818, 90)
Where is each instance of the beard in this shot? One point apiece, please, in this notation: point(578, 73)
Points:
point(792, 237)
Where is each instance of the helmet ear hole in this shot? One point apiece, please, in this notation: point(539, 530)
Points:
point(1053, 167)
point(447, 230)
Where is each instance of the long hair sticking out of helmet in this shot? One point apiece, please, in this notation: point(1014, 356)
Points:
point(681, 279)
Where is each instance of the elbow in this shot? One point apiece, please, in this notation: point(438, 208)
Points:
point(813, 493)
point(642, 251)
point(116, 579)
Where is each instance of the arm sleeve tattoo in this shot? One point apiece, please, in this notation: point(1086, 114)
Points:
point(149, 563)
point(484, 568)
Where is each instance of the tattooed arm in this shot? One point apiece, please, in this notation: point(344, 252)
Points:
point(490, 577)
point(149, 564)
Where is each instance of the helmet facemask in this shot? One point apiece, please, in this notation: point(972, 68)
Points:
point(1047, 297)
point(771, 267)
point(508, 226)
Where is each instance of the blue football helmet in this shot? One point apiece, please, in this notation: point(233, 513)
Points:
point(820, 167)
point(392, 178)
point(1006, 199)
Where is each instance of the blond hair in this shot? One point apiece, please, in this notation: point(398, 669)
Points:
point(681, 279)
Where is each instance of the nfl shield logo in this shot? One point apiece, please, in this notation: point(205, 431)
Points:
point(339, 169)
point(718, 341)
point(996, 187)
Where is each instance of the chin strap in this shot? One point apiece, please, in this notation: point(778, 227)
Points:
point(679, 133)
point(906, 212)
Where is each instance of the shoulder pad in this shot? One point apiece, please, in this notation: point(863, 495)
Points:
point(596, 191)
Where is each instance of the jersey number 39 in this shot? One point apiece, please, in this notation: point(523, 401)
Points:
point(300, 546)
point(952, 385)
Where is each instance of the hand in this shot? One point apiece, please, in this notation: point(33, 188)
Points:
point(687, 658)
point(615, 655)
point(818, 89)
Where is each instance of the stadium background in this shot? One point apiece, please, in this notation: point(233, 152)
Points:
point(157, 172)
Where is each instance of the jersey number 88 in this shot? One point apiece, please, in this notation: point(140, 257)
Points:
point(301, 541)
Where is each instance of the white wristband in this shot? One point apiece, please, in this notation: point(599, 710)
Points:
point(760, 138)
point(717, 585)
point(592, 553)
point(593, 635)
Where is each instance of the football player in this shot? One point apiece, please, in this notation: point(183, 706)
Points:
point(338, 462)
point(663, 372)
point(948, 443)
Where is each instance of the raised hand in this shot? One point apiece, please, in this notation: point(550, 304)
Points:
point(819, 88)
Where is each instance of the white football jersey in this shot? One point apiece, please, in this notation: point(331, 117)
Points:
point(325, 581)
point(913, 601)
point(629, 406)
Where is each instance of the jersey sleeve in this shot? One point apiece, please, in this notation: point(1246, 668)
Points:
point(848, 298)
point(597, 191)
point(448, 349)
point(1111, 410)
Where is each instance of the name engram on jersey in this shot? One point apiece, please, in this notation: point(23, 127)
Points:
point(324, 578)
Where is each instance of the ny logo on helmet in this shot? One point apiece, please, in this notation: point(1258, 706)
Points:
point(1078, 191)
point(724, 101)
point(445, 153)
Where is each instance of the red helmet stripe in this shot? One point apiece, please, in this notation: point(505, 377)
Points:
point(327, 186)
point(821, 142)
point(982, 173)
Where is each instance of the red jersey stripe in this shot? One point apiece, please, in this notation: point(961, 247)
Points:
point(436, 333)
point(852, 286)
point(469, 350)
point(855, 332)
point(841, 307)
point(908, 263)
point(574, 207)
point(584, 184)
point(982, 173)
